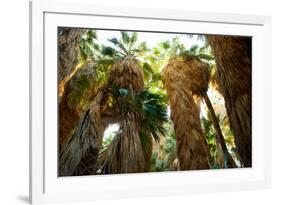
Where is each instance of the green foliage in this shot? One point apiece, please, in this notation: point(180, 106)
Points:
point(89, 45)
point(151, 103)
point(108, 140)
point(155, 113)
point(125, 37)
point(80, 87)
point(127, 46)
point(164, 156)
point(151, 107)
point(108, 51)
point(204, 53)
point(210, 135)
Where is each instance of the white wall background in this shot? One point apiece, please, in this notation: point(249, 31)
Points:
point(14, 100)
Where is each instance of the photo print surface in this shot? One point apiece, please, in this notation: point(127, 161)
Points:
point(135, 102)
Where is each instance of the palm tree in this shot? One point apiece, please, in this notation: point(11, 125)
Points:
point(200, 75)
point(228, 159)
point(191, 145)
point(69, 58)
point(121, 92)
point(78, 155)
point(197, 71)
point(233, 60)
point(125, 153)
point(75, 66)
point(143, 115)
point(69, 50)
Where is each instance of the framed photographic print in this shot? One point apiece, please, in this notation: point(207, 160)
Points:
point(129, 102)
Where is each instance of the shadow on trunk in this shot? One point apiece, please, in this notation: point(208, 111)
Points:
point(234, 61)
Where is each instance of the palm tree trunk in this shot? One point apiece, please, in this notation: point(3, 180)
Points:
point(79, 154)
point(147, 147)
point(69, 51)
point(68, 64)
point(68, 117)
point(233, 60)
point(228, 158)
point(125, 154)
point(191, 144)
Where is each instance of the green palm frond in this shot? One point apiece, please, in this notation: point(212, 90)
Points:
point(118, 44)
point(125, 37)
point(134, 38)
point(79, 86)
point(88, 45)
point(203, 53)
point(155, 113)
point(150, 106)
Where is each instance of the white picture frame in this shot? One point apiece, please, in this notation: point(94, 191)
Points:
point(46, 187)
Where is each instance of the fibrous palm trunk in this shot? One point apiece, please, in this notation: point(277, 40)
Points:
point(79, 154)
point(68, 117)
point(233, 60)
point(125, 154)
point(191, 145)
point(127, 74)
point(197, 76)
point(68, 62)
point(147, 146)
point(69, 51)
point(69, 112)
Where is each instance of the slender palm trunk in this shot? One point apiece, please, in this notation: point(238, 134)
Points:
point(228, 158)
point(233, 60)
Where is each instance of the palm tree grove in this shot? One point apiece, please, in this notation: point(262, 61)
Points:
point(135, 102)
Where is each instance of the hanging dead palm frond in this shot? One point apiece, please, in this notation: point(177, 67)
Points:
point(124, 154)
point(191, 145)
point(127, 73)
point(84, 139)
point(197, 77)
point(84, 143)
point(196, 73)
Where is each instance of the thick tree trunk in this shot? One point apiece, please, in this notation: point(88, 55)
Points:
point(79, 154)
point(125, 154)
point(69, 51)
point(68, 66)
point(68, 62)
point(70, 114)
point(233, 59)
point(191, 145)
point(68, 117)
point(229, 161)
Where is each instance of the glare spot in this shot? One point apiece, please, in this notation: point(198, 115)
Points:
point(110, 130)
